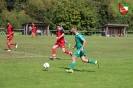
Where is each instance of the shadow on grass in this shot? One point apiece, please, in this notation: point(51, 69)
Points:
point(59, 59)
point(54, 58)
point(62, 59)
point(78, 70)
point(7, 49)
point(44, 69)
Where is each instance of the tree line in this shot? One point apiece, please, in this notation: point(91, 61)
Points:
point(87, 15)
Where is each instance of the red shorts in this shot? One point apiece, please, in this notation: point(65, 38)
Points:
point(10, 37)
point(60, 44)
point(34, 31)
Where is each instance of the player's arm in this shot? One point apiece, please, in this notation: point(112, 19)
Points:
point(84, 42)
point(73, 47)
point(11, 32)
point(61, 35)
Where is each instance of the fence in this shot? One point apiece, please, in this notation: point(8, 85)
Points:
point(68, 32)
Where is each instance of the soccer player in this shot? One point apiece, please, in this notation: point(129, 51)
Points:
point(69, 45)
point(10, 35)
point(34, 31)
point(60, 43)
point(80, 52)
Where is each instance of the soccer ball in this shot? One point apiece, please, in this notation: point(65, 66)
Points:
point(46, 65)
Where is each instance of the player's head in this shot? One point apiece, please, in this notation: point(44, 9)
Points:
point(59, 27)
point(33, 24)
point(75, 30)
point(59, 24)
point(8, 22)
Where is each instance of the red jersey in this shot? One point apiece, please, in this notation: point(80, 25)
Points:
point(33, 28)
point(58, 34)
point(9, 29)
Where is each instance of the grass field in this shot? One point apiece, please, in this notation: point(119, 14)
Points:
point(23, 68)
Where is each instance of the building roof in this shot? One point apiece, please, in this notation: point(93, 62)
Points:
point(116, 25)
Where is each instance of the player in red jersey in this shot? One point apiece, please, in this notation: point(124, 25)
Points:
point(60, 43)
point(10, 35)
point(34, 31)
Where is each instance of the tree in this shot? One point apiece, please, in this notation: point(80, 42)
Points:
point(87, 15)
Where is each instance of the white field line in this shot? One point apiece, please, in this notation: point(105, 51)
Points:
point(29, 54)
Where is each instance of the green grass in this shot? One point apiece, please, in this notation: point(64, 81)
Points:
point(24, 68)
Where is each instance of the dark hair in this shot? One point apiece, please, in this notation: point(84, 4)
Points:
point(59, 25)
point(8, 21)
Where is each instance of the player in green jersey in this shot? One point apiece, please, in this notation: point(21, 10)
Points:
point(81, 51)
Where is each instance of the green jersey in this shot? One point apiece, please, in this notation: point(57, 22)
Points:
point(79, 39)
point(62, 28)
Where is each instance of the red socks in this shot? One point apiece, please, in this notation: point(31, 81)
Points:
point(53, 51)
point(32, 35)
point(36, 35)
point(9, 45)
point(66, 51)
point(14, 44)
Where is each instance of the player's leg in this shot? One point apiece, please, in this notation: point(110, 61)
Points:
point(14, 44)
point(76, 54)
point(54, 51)
point(83, 58)
point(69, 45)
point(32, 35)
point(36, 34)
point(62, 45)
point(72, 64)
point(67, 42)
point(66, 51)
point(89, 61)
point(8, 44)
